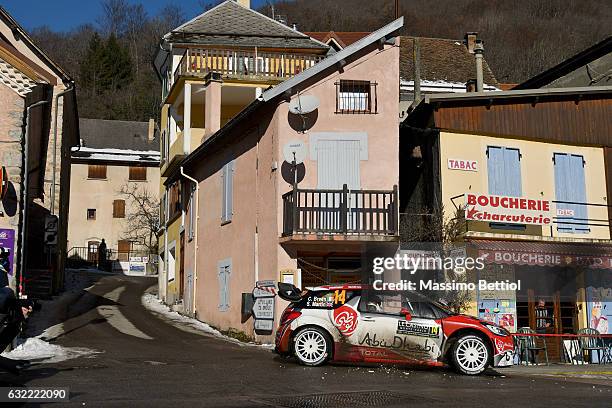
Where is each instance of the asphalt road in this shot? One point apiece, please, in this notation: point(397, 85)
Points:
point(146, 361)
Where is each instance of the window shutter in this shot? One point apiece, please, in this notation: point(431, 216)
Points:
point(504, 171)
point(224, 270)
point(227, 180)
point(570, 186)
point(96, 171)
point(224, 194)
point(119, 209)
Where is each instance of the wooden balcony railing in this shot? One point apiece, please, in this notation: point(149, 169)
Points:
point(243, 63)
point(368, 212)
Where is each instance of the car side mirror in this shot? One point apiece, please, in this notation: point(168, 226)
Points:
point(406, 313)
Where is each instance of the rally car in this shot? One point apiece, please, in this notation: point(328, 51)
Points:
point(353, 323)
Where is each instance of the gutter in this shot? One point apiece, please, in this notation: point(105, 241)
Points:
point(195, 238)
point(53, 177)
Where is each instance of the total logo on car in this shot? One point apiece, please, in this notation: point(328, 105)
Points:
point(352, 323)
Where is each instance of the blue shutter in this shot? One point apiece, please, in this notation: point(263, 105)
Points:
point(504, 171)
point(227, 193)
point(224, 194)
point(570, 186)
point(224, 271)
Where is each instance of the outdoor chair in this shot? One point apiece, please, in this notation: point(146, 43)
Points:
point(529, 348)
point(590, 340)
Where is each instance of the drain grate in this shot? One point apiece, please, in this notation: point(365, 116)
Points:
point(344, 399)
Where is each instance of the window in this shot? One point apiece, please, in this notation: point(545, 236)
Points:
point(227, 180)
point(224, 269)
point(356, 97)
point(91, 213)
point(138, 173)
point(96, 171)
point(175, 200)
point(192, 214)
point(504, 171)
point(570, 188)
point(119, 209)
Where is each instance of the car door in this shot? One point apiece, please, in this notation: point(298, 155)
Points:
point(376, 339)
point(422, 333)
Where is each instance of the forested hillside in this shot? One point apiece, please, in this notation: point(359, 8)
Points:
point(111, 58)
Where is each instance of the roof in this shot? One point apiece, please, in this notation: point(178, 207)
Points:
point(571, 64)
point(342, 38)
point(15, 27)
point(232, 24)
point(381, 34)
point(442, 60)
point(118, 135)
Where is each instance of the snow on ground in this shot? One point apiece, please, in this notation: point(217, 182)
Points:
point(35, 348)
point(151, 302)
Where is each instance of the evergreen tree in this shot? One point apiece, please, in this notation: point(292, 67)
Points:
point(116, 65)
point(91, 66)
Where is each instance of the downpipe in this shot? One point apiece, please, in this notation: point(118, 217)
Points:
point(195, 238)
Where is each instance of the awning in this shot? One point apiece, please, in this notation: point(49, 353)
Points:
point(543, 253)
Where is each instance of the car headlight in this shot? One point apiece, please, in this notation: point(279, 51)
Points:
point(500, 331)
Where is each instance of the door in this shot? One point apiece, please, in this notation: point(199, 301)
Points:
point(337, 165)
point(386, 335)
point(92, 251)
point(123, 250)
point(181, 281)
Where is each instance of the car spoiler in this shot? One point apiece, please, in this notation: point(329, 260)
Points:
point(289, 292)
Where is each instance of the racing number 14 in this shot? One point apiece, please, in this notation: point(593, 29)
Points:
point(339, 297)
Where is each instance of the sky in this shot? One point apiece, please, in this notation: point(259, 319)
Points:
point(62, 15)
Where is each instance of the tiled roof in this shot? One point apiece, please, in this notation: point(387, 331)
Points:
point(230, 23)
point(441, 60)
point(117, 134)
point(343, 38)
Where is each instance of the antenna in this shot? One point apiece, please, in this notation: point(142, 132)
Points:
point(294, 152)
point(304, 104)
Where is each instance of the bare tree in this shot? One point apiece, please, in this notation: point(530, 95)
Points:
point(114, 17)
point(142, 216)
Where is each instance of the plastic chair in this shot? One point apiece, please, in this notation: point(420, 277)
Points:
point(529, 347)
point(590, 340)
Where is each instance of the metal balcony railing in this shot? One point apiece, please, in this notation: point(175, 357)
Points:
point(313, 211)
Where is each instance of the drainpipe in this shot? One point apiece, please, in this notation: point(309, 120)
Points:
point(24, 195)
point(478, 51)
point(416, 61)
point(195, 238)
point(69, 89)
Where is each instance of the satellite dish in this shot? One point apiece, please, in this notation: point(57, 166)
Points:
point(303, 104)
point(294, 150)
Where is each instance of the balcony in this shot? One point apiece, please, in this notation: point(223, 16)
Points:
point(177, 152)
point(257, 66)
point(340, 215)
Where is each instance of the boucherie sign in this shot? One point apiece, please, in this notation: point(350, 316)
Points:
point(510, 210)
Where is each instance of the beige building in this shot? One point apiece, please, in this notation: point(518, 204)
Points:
point(115, 173)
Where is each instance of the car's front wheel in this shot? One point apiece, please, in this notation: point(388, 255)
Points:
point(312, 346)
point(470, 355)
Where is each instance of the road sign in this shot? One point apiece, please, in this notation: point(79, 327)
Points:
point(264, 327)
point(265, 288)
point(51, 229)
point(264, 308)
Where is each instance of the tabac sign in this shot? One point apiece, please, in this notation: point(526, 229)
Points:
point(509, 210)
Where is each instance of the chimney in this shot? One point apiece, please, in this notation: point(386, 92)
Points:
point(470, 85)
point(245, 3)
point(478, 51)
point(470, 41)
point(151, 132)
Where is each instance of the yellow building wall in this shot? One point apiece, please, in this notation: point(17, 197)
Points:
point(537, 174)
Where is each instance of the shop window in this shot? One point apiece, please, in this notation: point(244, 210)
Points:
point(96, 171)
point(119, 209)
point(138, 173)
point(356, 97)
point(227, 199)
point(91, 213)
point(224, 271)
point(570, 191)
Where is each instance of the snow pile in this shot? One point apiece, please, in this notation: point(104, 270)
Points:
point(36, 349)
point(151, 302)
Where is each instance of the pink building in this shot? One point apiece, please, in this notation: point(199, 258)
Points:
point(246, 221)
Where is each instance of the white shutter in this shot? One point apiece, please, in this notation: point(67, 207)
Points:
point(338, 164)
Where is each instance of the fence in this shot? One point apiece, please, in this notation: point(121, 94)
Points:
point(572, 347)
point(89, 256)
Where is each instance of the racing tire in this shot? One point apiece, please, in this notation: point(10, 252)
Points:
point(312, 346)
point(470, 355)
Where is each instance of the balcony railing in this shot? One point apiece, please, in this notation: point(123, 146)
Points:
point(243, 64)
point(349, 212)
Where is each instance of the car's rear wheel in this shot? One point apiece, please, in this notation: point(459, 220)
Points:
point(312, 346)
point(470, 355)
